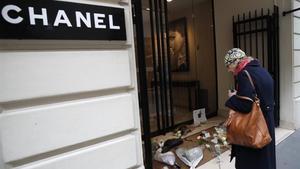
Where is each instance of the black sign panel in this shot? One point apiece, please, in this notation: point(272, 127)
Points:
point(47, 19)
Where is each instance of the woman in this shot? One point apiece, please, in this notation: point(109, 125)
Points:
point(236, 62)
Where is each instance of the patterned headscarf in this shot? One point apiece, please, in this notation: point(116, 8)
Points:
point(234, 55)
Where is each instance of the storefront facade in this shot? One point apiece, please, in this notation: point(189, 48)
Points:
point(71, 101)
point(68, 97)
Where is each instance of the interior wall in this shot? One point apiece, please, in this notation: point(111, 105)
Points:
point(205, 53)
point(201, 47)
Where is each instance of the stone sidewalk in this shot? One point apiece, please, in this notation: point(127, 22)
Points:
point(288, 152)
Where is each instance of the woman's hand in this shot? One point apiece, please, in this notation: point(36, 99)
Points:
point(231, 112)
point(231, 92)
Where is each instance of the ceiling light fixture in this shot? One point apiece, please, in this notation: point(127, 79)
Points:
point(169, 0)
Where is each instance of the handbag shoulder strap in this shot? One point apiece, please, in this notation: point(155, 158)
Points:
point(252, 84)
point(250, 79)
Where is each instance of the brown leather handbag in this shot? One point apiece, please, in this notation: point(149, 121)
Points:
point(249, 130)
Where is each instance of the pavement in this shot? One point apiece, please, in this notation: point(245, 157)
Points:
point(288, 152)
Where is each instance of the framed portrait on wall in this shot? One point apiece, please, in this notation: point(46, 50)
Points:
point(179, 51)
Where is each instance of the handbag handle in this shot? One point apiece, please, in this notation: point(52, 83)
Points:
point(245, 98)
point(252, 84)
point(251, 81)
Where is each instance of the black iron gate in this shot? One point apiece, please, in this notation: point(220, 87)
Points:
point(258, 35)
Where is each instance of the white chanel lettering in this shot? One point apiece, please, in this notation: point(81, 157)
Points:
point(42, 16)
point(62, 18)
point(111, 23)
point(86, 20)
point(98, 21)
point(9, 19)
point(101, 21)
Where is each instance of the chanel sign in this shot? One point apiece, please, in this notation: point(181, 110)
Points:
point(60, 20)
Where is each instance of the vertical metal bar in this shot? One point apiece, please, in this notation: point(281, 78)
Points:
point(143, 82)
point(164, 70)
point(244, 25)
point(263, 37)
point(169, 63)
point(159, 64)
point(256, 30)
point(269, 46)
point(277, 66)
point(270, 43)
point(154, 65)
point(239, 31)
point(270, 55)
point(250, 34)
point(234, 33)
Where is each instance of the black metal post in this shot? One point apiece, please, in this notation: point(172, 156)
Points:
point(154, 65)
point(163, 51)
point(234, 33)
point(250, 28)
point(263, 38)
point(271, 56)
point(157, 12)
point(143, 82)
point(277, 66)
point(244, 26)
point(256, 34)
point(169, 63)
point(272, 30)
point(238, 31)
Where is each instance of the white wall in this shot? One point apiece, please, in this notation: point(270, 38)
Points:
point(285, 60)
point(70, 104)
point(296, 62)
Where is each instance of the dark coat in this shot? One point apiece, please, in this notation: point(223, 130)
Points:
point(248, 158)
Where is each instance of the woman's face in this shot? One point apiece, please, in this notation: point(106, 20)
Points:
point(231, 68)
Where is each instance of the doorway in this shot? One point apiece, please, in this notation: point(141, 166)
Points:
point(180, 63)
point(176, 64)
